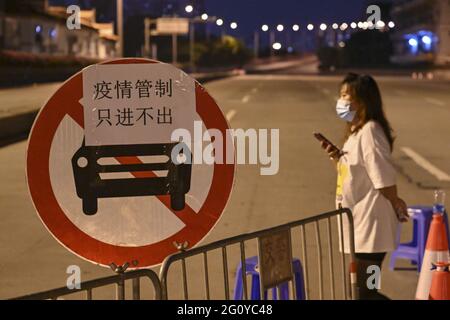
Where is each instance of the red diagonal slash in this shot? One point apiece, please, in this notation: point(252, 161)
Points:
point(66, 102)
point(187, 215)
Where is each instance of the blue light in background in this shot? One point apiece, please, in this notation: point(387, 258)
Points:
point(53, 33)
point(413, 42)
point(38, 29)
point(421, 41)
point(427, 40)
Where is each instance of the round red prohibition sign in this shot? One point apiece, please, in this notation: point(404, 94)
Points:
point(65, 102)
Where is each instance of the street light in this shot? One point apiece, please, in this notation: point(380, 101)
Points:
point(280, 27)
point(189, 8)
point(427, 40)
point(344, 26)
point(276, 46)
point(119, 16)
point(233, 25)
point(219, 22)
point(391, 24)
point(295, 27)
point(413, 42)
point(353, 25)
point(335, 26)
point(204, 17)
point(380, 24)
point(310, 27)
point(265, 28)
point(323, 27)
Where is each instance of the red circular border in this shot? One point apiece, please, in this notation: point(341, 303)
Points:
point(65, 101)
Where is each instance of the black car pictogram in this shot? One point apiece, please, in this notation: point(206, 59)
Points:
point(87, 169)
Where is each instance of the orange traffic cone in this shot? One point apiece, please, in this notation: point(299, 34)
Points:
point(440, 285)
point(436, 250)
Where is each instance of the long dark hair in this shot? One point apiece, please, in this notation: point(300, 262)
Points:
point(364, 90)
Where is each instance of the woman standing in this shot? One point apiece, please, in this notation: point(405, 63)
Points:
point(366, 176)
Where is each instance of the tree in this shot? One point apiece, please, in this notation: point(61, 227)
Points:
point(227, 51)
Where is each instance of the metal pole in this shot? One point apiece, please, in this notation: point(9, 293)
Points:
point(225, 273)
point(256, 44)
point(136, 289)
point(120, 289)
point(191, 45)
point(335, 38)
point(205, 267)
point(154, 52)
point(243, 271)
point(120, 26)
point(147, 37)
point(319, 259)
point(185, 284)
point(174, 48)
point(319, 38)
point(292, 38)
point(208, 33)
point(288, 39)
point(271, 42)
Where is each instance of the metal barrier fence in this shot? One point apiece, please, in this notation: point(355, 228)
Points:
point(285, 234)
point(348, 276)
point(89, 286)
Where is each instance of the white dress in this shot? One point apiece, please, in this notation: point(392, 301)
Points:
point(366, 167)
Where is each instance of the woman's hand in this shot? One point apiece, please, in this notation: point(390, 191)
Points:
point(401, 209)
point(399, 206)
point(333, 153)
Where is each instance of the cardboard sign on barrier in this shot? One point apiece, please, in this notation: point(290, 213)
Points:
point(275, 258)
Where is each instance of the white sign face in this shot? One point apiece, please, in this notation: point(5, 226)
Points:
point(136, 103)
point(172, 25)
point(100, 172)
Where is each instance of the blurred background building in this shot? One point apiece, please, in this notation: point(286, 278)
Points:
point(423, 31)
point(35, 26)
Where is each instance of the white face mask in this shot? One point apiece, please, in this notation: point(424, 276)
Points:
point(343, 110)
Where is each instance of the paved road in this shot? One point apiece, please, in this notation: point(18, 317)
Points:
point(419, 111)
point(25, 99)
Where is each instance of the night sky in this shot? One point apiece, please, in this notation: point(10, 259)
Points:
point(250, 14)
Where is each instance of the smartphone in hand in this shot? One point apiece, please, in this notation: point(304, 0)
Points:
point(327, 142)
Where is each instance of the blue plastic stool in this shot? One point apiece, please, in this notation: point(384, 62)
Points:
point(251, 265)
point(414, 250)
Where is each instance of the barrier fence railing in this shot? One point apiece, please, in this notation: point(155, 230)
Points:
point(304, 236)
point(271, 266)
point(88, 287)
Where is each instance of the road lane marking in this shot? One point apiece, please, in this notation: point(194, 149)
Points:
point(425, 164)
point(245, 98)
point(435, 101)
point(230, 114)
